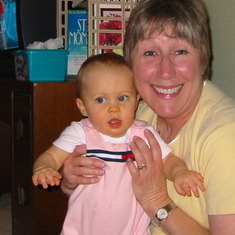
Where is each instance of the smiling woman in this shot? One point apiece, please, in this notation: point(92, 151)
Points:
point(170, 62)
point(171, 72)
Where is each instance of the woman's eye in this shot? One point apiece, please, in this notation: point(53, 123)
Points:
point(181, 52)
point(149, 53)
point(101, 100)
point(123, 98)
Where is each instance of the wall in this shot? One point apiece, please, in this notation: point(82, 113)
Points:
point(222, 22)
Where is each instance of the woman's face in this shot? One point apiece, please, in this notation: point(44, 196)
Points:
point(168, 75)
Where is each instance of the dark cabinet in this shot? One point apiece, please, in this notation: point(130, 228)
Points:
point(5, 140)
point(39, 113)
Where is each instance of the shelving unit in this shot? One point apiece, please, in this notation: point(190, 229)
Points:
point(106, 19)
point(62, 19)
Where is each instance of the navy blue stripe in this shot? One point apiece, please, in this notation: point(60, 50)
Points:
point(108, 152)
point(110, 159)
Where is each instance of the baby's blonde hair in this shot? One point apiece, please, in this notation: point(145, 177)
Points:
point(109, 59)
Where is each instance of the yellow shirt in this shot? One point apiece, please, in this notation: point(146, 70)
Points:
point(207, 144)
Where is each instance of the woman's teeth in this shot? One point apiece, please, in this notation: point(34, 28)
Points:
point(168, 91)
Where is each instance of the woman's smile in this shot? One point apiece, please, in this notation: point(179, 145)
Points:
point(168, 91)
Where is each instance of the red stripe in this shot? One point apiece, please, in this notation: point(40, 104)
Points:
point(126, 156)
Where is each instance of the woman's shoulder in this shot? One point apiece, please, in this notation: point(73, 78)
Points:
point(216, 103)
point(215, 112)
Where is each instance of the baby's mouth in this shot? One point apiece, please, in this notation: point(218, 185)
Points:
point(115, 123)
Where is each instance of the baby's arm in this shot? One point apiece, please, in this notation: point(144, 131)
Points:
point(46, 166)
point(185, 181)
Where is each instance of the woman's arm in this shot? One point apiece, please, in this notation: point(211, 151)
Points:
point(150, 189)
point(78, 169)
point(222, 224)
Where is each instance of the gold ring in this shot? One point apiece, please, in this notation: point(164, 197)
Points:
point(142, 166)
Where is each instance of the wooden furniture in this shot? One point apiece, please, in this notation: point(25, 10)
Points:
point(5, 140)
point(39, 113)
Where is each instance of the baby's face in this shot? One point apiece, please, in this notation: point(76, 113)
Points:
point(110, 99)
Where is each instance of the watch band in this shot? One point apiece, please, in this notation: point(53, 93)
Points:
point(169, 207)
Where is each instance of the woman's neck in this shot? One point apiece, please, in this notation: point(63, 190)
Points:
point(169, 128)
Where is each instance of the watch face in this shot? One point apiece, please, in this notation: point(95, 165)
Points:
point(162, 214)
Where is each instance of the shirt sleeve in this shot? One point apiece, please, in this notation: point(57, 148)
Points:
point(165, 148)
point(72, 136)
point(219, 170)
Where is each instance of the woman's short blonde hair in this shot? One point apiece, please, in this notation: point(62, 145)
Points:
point(187, 18)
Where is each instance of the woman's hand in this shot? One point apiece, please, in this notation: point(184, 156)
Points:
point(78, 169)
point(149, 183)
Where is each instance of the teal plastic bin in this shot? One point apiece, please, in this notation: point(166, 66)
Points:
point(38, 65)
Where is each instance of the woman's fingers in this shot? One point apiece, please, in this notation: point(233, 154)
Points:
point(88, 166)
point(155, 149)
point(149, 183)
point(149, 154)
point(79, 169)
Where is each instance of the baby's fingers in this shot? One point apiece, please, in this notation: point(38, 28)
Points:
point(201, 186)
point(56, 174)
point(198, 183)
point(195, 191)
point(42, 181)
point(194, 188)
point(183, 189)
point(179, 190)
point(57, 181)
point(52, 177)
point(35, 180)
point(57, 178)
point(187, 190)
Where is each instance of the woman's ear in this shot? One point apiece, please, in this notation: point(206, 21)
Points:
point(81, 107)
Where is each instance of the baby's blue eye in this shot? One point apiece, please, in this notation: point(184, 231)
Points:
point(101, 100)
point(123, 98)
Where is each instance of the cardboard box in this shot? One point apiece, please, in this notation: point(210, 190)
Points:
point(38, 65)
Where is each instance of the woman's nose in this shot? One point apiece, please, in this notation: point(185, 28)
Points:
point(166, 68)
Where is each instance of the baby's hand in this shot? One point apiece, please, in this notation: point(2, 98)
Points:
point(46, 176)
point(187, 181)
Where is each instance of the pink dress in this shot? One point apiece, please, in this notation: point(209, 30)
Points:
point(108, 207)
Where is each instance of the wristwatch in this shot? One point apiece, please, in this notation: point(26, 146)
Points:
point(163, 212)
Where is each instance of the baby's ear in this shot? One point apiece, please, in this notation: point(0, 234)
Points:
point(81, 107)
